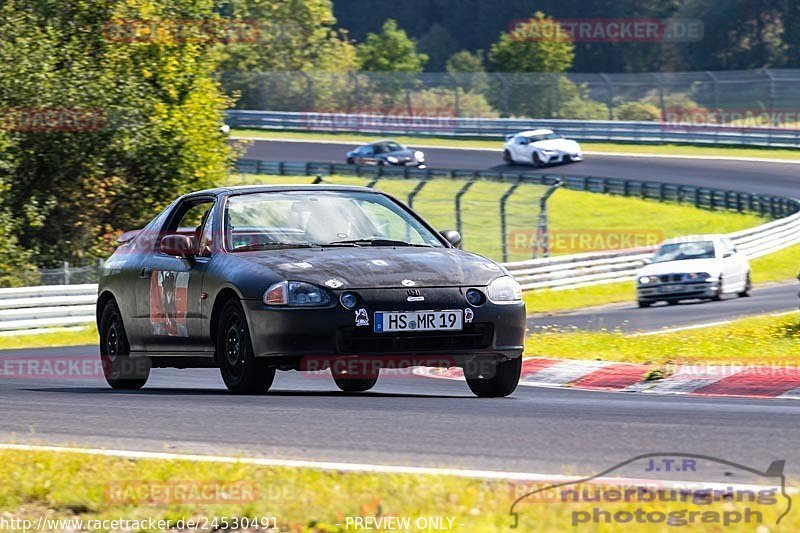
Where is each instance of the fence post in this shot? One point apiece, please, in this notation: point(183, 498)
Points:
point(461, 192)
point(65, 265)
point(503, 228)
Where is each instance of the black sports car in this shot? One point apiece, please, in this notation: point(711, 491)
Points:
point(386, 153)
point(347, 279)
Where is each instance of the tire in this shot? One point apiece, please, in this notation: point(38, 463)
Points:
point(502, 381)
point(642, 304)
point(350, 161)
point(672, 302)
point(536, 161)
point(718, 296)
point(121, 372)
point(507, 159)
point(350, 384)
point(241, 371)
point(748, 286)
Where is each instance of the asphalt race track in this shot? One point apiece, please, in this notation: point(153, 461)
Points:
point(405, 420)
point(629, 318)
point(747, 176)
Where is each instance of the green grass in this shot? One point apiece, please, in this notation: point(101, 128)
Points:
point(87, 335)
point(573, 214)
point(763, 340)
point(73, 485)
point(496, 144)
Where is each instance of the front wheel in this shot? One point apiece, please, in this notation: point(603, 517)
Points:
point(537, 161)
point(718, 295)
point(120, 370)
point(350, 384)
point(507, 159)
point(748, 286)
point(643, 303)
point(494, 379)
point(241, 371)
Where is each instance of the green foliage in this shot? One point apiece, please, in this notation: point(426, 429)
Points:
point(390, 51)
point(637, 111)
point(154, 133)
point(521, 51)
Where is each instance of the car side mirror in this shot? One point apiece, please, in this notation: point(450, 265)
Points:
point(452, 236)
point(177, 246)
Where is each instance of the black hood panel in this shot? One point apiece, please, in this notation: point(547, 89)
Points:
point(377, 267)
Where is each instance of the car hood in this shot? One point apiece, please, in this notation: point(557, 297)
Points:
point(564, 145)
point(686, 266)
point(378, 267)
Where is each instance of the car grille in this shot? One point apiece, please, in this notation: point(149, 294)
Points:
point(668, 278)
point(353, 341)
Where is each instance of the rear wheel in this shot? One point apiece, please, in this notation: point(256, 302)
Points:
point(241, 371)
point(494, 379)
point(507, 159)
point(120, 370)
point(748, 286)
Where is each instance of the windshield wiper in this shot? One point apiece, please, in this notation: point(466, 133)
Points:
point(375, 242)
point(269, 245)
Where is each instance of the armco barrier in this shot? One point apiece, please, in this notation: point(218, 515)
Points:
point(497, 128)
point(64, 305)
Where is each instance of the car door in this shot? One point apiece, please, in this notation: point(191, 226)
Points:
point(731, 265)
point(366, 155)
point(522, 149)
point(173, 285)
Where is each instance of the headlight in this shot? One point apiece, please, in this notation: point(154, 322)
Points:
point(419, 156)
point(504, 290)
point(392, 159)
point(296, 293)
point(549, 152)
point(644, 280)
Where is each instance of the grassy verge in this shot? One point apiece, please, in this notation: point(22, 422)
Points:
point(574, 215)
point(68, 485)
point(495, 144)
point(87, 335)
point(763, 340)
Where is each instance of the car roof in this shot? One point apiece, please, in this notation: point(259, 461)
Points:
point(540, 131)
point(695, 238)
point(250, 189)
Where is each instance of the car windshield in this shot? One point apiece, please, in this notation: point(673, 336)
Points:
point(385, 148)
point(295, 219)
point(544, 137)
point(684, 250)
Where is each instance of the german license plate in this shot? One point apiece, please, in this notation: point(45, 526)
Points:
point(386, 321)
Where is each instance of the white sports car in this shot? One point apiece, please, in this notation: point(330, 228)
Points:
point(540, 147)
point(695, 267)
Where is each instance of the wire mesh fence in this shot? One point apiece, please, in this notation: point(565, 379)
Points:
point(770, 97)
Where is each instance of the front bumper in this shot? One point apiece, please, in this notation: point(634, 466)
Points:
point(296, 333)
point(682, 290)
point(563, 157)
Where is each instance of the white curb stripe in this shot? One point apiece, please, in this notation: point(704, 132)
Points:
point(382, 469)
point(563, 373)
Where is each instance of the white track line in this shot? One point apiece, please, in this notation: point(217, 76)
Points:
point(377, 469)
point(498, 150)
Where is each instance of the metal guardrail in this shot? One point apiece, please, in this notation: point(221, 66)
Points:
point(47, 306)
point(497, 128)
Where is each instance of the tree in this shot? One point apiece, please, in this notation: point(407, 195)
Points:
point(139, 120)
point(437, 43)
point(536, 45)
point(466, 61)
point(391, 50)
